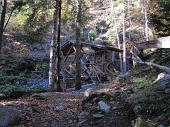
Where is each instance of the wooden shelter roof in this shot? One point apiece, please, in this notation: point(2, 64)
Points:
point(68, 47)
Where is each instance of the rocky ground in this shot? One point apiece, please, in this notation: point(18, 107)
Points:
point(68, 109)
point(119, 104)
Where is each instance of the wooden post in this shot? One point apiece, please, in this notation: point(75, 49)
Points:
point(103, 60)
point(94, 64)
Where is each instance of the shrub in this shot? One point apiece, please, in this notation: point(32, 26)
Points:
point(18, 80)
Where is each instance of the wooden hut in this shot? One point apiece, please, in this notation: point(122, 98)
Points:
point(93, 61)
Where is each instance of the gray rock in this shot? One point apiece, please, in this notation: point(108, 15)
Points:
point(40, 96)
point(9, 116)
point(135, 89)
point(133, 123)
point(98, 115)
point(59, 108)
point(30, 109)
point(137, 109)
point(70, 121)
point(81, 116)
point(88, 92)
point(162, 82)
point(81, 123)
point(103, 106)
point(162, 76)
point(161, 125)
point(56, 107)
point(114, 108)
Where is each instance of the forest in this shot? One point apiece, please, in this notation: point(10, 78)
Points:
point(84, 63)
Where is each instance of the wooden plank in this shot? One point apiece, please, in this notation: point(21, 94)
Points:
point(68, 53)
point(94, 73)
point(103, 60)
point(114, 49)
point(66, 47)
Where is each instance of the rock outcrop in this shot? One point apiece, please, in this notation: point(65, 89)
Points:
point(9, 116)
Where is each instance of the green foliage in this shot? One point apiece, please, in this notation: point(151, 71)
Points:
point(68, 7)
point(12, 80)
point(107, 98)
point(138, 122)
point(18, 21)
point(35, 88)
point(165, 53)
point(93, 110)
point(31, 22)
point(5, 90)
point(160, 16)
point(92, 35)
point(154, 104)
point(141, 85)
point(13, 70)
point(42, 67)
point(14, 65)
point(37, 23)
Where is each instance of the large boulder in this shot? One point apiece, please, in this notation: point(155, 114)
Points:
point(40, 96)
point(162, 82)
point(9, 116)
point(104, 106)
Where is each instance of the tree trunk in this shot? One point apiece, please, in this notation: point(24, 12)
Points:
point(53, 57)
point(59, 89)
point(124, 41)
point(51, 66)
point(129, 2)
point(117, 34)
point(146, 21)
point(78, 47)
point(63, 73)
point(2, 22)
point(8, 19)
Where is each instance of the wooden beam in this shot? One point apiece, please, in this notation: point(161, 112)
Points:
point(103, 60)
point(94, 64)
point(68, 53)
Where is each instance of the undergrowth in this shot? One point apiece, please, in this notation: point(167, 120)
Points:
point(153, 105)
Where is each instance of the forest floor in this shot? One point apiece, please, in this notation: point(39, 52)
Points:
point(63, 109)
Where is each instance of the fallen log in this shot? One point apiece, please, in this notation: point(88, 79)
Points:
point(138, 60)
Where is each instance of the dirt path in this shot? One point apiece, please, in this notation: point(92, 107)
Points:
point(56, 109)
point(63, 109)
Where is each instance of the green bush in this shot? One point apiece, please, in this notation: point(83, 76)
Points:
point(42, 67)
point(5, 90)
point(18, 80)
